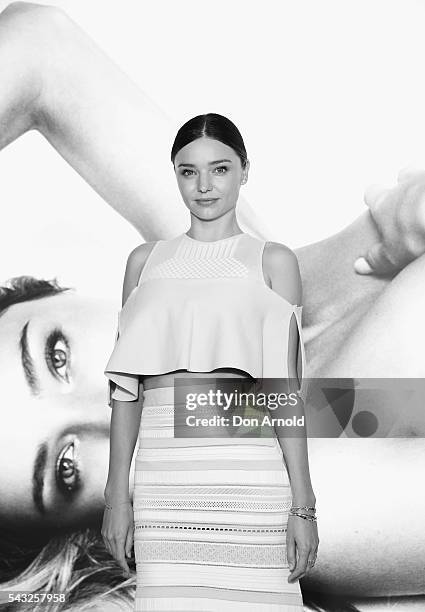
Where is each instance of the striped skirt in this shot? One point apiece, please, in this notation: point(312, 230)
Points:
point(210, 517)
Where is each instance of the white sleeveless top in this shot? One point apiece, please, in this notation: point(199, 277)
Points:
point(199, 306)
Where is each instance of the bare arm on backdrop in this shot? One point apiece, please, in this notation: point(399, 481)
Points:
point(54, 78)
point(368, 490)
point(348, 315)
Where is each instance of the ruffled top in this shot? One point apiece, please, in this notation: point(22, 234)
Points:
point(200, 306)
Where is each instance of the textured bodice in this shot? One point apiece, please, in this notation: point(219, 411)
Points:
point(199, 306)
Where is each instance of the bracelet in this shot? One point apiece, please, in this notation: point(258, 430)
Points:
point(306, 517)
point(118, 504)
point(312, 508)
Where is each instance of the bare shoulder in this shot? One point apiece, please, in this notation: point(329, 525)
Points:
point(137, 259)
point(278, 255)
point(135, 264)
point(280, 266)
point(139, 254)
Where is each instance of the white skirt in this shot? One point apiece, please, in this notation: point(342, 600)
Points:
point(210, 519)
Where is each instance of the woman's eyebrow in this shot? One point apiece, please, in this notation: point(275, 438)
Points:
point(217, 161)
point(28, 362)
point(39, 471)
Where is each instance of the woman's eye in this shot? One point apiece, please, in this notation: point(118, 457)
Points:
point(67, 472)
point(58, 354)
point(221, 169)
point(187, 172)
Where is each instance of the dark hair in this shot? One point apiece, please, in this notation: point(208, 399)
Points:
point(26, 288)
point(213, 126)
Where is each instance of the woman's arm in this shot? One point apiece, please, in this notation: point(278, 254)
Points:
point(283, 273)
point(54, 78)
point(126, 415)
point(125, 423)
point(117, 527)
point(124, 431)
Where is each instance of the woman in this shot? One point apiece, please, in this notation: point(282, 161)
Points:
point(340, 310)
point(202, 304)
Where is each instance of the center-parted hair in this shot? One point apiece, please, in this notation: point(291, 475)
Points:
point(213, 126)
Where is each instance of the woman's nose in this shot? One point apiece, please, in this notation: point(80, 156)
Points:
point(204, 183)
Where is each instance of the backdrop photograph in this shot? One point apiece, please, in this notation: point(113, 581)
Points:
point(329, 98)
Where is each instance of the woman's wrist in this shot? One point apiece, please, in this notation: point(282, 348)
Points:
point(114, 494)
point(117, 504)
point(303, 498)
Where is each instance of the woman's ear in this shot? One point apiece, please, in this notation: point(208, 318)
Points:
point(245, 173)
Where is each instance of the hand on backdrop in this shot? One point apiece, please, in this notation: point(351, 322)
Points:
point(399, 216)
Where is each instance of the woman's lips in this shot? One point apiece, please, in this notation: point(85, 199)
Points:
point(206, 201)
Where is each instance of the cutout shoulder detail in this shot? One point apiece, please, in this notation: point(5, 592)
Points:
point(147, 260)
point(300, 358)
point(264, 279)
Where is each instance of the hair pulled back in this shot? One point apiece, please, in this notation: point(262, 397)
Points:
point(213, 126)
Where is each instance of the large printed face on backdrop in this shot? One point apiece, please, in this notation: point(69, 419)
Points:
point(54, 434)
point(55, 419)
point(209, 169)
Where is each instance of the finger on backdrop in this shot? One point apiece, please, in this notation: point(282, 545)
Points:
point(374, 194)
point(409, 173)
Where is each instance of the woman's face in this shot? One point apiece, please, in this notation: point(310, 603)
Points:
point(209, 175)
point(54, 435)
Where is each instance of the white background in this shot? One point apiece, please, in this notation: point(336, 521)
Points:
point(328, 95)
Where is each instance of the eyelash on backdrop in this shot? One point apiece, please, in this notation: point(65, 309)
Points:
point(57, 354)
point(58, 358)
point(67, 471)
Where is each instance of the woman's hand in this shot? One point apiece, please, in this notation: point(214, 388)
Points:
point(399, 217)
point(301, 537)
point(117, 532)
